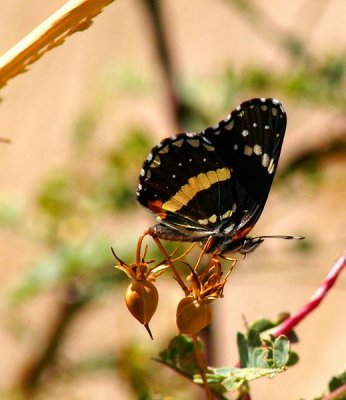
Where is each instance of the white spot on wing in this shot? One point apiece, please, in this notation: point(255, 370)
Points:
point(245, 133)
point(236, 147)
point(257, 149)
point(265, 160)
point(227, 118)
point(150, 157)
point(229, 126)
point(228, 229)
point(248, 150)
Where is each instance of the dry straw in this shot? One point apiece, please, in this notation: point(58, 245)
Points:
point(74, 16)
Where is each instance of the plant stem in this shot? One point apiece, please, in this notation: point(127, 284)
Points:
point(165, 58)
point(288, 324)
point(202, 366)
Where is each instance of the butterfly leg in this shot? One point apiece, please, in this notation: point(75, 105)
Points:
point(170, 263)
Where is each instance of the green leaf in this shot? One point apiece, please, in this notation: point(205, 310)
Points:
point(255, 352)
point(292, 359)
point(242, 349)
point(281, 349)
point(230, 379)
point(262, 325)
point(337, 381)
point(180, 355)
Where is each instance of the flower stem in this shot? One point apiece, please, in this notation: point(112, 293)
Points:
point(288, 324)
point(201, 366)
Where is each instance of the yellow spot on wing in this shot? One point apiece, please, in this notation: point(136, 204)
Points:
point(156, 162)
point(193, 142)
point(213, 218)
point(194, 185)
point(178, 143)
point(227, 214)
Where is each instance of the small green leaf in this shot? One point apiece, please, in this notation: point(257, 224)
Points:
point(242, 349)
point(262, 325)
point(180, 355)
point(292, 359)
point(337, 381)
point(281, 350)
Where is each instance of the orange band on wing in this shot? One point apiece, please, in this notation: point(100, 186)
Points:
point(242, 233)
point(156, 206)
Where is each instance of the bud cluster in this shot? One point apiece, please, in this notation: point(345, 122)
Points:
point(194, 309)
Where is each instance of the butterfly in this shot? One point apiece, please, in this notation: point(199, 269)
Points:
point(213, 185)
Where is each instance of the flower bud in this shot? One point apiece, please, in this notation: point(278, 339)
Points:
point(141, 300)
point(192, 315)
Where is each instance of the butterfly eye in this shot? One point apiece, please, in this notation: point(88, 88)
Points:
point(249, 245)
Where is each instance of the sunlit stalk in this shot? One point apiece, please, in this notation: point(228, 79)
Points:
point(74, 16)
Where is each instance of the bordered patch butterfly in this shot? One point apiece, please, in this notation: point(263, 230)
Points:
point(215, 183)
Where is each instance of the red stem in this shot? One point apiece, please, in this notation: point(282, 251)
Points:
point(286, 326)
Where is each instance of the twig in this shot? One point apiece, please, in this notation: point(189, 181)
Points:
point(287, 325)
point(167, 65)
point(201, 366)
point(31, 375)
point(74, 16)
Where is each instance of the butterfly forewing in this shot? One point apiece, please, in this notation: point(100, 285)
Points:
point(215, 182)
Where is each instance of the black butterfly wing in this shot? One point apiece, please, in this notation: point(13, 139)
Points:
point(217, 182)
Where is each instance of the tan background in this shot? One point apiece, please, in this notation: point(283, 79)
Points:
point(38, 111)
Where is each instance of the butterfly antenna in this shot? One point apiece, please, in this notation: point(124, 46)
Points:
point(286, 237)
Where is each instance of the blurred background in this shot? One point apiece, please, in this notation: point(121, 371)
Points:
point(81, 122)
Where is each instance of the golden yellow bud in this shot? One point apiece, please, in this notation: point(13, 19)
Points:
point(141, 300)
point(192, 315)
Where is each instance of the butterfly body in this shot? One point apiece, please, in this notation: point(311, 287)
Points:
point(215, 183)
